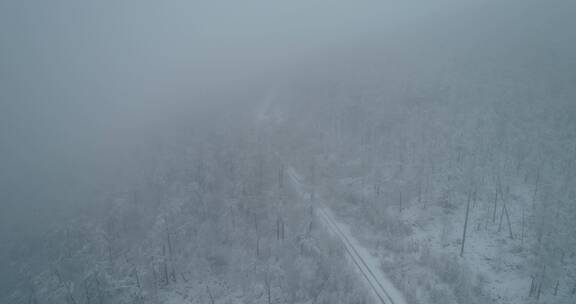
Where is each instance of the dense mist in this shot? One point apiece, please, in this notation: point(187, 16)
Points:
point(210, 103)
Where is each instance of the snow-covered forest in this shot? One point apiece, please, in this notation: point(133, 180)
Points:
point(303, 152)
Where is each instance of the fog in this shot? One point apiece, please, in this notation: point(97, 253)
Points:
point(89, 88)
point(80, 79)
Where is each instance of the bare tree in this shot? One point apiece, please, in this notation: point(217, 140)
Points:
point(465, 224)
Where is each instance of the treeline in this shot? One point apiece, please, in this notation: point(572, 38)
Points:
point(502, 152)
point(205, 216)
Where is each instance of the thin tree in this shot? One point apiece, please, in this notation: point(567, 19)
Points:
point(465, 224)
point(495, 201)
point(536, 183)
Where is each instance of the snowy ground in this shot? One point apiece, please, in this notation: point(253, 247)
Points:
point(425, 259)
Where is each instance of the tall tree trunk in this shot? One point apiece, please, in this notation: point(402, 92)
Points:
point(465, 224)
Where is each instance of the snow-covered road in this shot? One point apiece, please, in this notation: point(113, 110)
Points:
point(366, 266)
